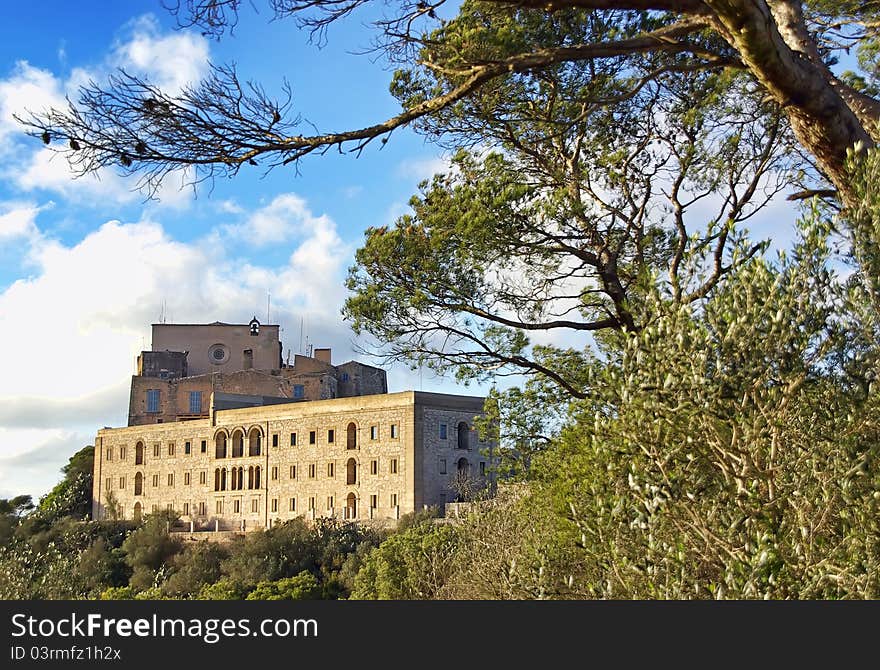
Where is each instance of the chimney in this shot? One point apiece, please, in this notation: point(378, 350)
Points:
point(323, 355)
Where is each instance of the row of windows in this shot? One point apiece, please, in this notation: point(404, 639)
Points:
point(154, 401)
point(351, 436)
point(462, 433)
point(255, 439)
point(236, 476)
point(201, 508)
point(139, 451)
point(351, 470)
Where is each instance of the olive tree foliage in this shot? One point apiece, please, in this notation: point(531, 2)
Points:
point(732, 449)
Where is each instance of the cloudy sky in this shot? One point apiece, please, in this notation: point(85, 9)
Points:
point(86, 265)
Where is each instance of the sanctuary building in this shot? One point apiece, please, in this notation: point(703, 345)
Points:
point(224, 432)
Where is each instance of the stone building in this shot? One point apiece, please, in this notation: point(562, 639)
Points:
point(262, 445)
point(190, 362)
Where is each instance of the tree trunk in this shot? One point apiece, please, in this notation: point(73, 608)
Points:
point(773, 42)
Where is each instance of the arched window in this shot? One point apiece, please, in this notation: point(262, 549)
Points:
point(251, 477)
point(223, 479)
point(217, 479)
point(351, 436)
point(464, 468)
point(257, 477)
point(220, 445)
point(351, 506)
point(240, 478)
point(137, 511)
point(254, 442)
point(139, 454)
point(351, 472)
point(234, 485)
point(138, 484)
point(237, 444)
point(463, 435)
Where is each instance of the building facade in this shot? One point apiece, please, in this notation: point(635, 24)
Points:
point(257, 452)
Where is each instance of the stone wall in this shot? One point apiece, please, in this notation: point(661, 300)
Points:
point(174, 394)
point(396, 470)
point(234, 340)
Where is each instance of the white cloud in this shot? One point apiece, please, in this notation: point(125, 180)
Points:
point(30, 459)
point(420, 169)
point(49, 171)
point(17, 220)
point(27, 89)
point(170, 61)
point(286, 217)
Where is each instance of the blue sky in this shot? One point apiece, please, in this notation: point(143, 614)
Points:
point(86, 265)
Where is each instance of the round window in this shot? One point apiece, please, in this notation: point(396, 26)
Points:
point(218, 354)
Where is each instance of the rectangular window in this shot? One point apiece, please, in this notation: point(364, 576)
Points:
point(122, 482)
point(204, 446)
point(293, 472)
point(312, 471)
point(155, 508)
point(219, 507)
point(170, 479)
point(275, 440)
point(170, 507)
point(443, 429)
point(312, 502)
point(394, 500)
point(109, 453)
point(442, 466)
point(274, 472)
point(187, 479)
point(374, 432)
point(274, 504)
point(155, 480)
point(153, 401)
point(482, 468)
point(187, 448)
point(195, 402)
point(374, 501)
point(393, 431)
point(393, 466)
point(299, 391)
point(121, 453)
point(331, 436)
point(312, 437)
point(329, 502)
point(203, 509)
point(203, 477)
point(157, 448)
point(293, 439)
point(293, 504)
point(374, 467)
point(185, 509)
point(330, 469)
point(108, 483)
point(171, 448)
point(236, 506)
point(255, 505)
